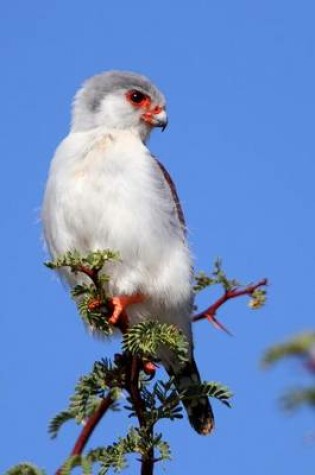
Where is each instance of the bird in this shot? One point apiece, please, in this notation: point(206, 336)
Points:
point(106, 190)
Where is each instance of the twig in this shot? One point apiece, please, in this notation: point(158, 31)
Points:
point(89, 428)
point(210, 312)
point(91, 273)
point(90, 425)
point(132, 386)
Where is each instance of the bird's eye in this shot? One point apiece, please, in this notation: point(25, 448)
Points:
point(137, 98)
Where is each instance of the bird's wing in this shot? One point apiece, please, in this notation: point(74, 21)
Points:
point(172, 187)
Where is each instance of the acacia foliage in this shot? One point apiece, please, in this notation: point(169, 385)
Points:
point(150, 398)
point(301, 347)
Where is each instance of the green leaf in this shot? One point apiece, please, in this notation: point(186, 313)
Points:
point(72, 462)
point(298, 346)
point(25, 469)
point(217, 277)
point(202, 281)
point(95, 319)
point(146, 338)
point(86, 466)
point(114, 456)
point(164, 449)
point(167, 395)
point(82, 289)
point(90, 266)
point(96, 455)
point(210, 389)
point(104, 380)
point(94, 260)
point(57, 422)
point(97, 259)
point(295, 398)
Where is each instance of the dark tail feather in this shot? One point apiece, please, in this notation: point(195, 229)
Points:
point(199, 411)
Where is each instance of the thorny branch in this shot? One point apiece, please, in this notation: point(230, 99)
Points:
point(133, 366)
point(210, 312)
point(90, 425)
point(89, 428)
point(132, 386)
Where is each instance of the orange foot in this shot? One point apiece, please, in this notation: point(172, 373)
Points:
point(119, 304)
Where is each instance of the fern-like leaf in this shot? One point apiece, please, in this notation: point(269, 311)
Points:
point(145, 338)
point(295, 398)
point(299, 345)
point(57, 422)
point(210, 389)
point(71, 463)
point(94, 260)
point(25, 469)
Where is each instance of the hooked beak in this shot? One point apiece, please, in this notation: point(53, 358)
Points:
point(156, 118)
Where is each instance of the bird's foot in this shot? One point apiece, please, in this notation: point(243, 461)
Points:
point(119, 304)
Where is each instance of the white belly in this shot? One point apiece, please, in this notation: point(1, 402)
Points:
point(106, 191)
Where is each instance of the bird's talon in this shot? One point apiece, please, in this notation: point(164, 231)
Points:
point(117, 311)
point(119, 305)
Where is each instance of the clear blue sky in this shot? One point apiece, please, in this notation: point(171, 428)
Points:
point(239, 77)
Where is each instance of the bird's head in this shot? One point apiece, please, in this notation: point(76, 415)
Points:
point(119, 100)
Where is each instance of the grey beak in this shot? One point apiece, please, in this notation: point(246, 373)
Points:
point(164, 126)
point(161, 120)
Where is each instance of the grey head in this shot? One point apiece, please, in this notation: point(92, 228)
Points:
point(119, 100)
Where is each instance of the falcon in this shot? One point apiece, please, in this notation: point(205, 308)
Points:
point(106, 190)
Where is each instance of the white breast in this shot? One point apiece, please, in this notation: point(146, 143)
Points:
point(105, 190)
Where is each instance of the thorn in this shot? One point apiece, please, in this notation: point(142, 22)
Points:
point(218, 325)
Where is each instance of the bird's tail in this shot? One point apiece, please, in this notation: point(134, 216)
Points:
point(199, 410)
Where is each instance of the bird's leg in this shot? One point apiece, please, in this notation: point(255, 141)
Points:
point(119, 319)
point(120, 303)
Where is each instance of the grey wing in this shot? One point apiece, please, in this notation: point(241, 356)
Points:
point(199, 411)
point(171, 184)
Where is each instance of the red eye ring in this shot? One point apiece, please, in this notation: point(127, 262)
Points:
point(138, 98)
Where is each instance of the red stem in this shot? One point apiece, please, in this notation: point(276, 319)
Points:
point(88, 271)
point(229, 294)
point(132, 386)
point(89, 427)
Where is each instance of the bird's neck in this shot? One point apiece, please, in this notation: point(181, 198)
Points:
point(142, 131)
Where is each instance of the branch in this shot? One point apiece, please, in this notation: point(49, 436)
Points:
point(95, 307)
point(211, 311)
point(89, 428)
point(132, 386)
point(91, 273)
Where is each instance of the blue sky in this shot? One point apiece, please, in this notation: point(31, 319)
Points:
point(239, 78)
